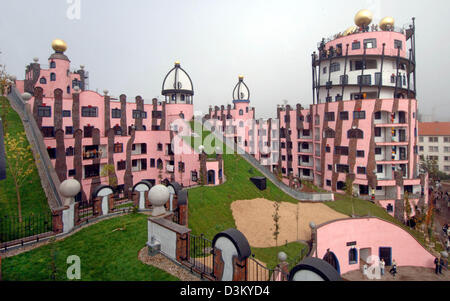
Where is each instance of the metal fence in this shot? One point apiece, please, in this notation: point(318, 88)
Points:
point(85, 211)
point(13, 228)
point(201, 258)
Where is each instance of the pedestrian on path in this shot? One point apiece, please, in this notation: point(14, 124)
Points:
point(436, 264)
point(382, 265)
point(441, 265)
point(393, 270)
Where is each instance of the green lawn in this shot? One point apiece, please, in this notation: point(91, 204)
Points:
point(105, 255)
point(34, 200)
point(270, 255)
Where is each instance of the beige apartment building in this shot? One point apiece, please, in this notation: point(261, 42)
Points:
point(434, 142)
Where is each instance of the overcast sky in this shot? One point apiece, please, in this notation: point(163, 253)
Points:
point(129, 46)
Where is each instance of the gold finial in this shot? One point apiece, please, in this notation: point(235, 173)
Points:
point(387, 23)
point(59, 45)
point(363, 18)
point(241, 77)
point(177, 63)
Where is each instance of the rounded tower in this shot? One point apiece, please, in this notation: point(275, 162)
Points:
point(177, 86)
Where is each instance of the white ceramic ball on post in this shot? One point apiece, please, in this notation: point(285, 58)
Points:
point(69, 189)
point(158, 196)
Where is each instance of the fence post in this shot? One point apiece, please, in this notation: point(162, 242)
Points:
point(97, 206)
point(57, 222)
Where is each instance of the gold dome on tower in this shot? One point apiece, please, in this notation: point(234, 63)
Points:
point(241, 77)
point(350, 30)
point(387, 23)
point(363, 18)
point(59, 45)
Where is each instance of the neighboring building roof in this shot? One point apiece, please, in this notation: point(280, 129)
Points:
point(434, 128)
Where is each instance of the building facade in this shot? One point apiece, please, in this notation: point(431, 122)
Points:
point(434, 143)
point(86, 132)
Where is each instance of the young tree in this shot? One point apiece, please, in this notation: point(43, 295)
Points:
point(4, 105)
point(430, 166)
point(109, 171)
point(349, 192)
point(20, 163)
point(408, 208)
point(276, 219)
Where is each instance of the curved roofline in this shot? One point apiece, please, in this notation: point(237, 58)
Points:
point(177, 90)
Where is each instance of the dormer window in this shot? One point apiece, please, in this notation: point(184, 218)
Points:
point(52, 65)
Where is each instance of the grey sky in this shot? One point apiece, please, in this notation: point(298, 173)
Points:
point(129, 46)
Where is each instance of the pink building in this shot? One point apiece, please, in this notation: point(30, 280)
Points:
point(85, 131)
point(362, 126)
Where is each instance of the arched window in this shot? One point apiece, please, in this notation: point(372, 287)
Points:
point(52, 65)
point(355, 134)
point(329, 133)
point(117, 130)
point(43, 81)
point(241, 112)
point(353, 256)
point(68, 89)
point(159, 164)
point(52, 77)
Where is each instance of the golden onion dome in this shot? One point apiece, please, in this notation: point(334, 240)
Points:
point(363, 18)
point(59, 45)
point(386, 23)
point(350, 30)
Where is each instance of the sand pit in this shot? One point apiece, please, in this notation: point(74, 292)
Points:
point(254, 219)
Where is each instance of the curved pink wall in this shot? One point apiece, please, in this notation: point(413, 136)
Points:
point(370, 233)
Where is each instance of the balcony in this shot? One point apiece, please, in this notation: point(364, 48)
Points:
point(94, 152)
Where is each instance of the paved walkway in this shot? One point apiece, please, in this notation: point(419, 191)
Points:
point(404, 274)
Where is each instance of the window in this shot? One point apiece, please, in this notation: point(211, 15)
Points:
point(157, 114)
point(43, 81)
point(421, 148)
point(194, 176)
point(88, 131)
point(241, 112)
point(68, 89)
point(343, 115)
point(69, 130)
point(433, 139)
point(359, 115)
point(52, 77)
point(361, 170)
point(433, 149)
point(353, 256)
point(48, 131)
point(334, 67)
point(66, 113)
point(355, 134)
point(377, 132)
point(69, 151)
point(118, 148)
point(89, 111)
point(137, 114)
point(360, 154)
point(342, 168)
point(343, 79)
point(446, 139)
point(447, 159)
point(356, 45)
point(121, 165)
point(446, 149)
point(306, 133)
point(398, 44)
point(379, 168)
point(152, 163)
point(378, 151)
point(327, 149)
point(116, 113)
point(52, 65)
point(181, 166)
point(330, 167)
point(329, 133)
point(324, 70)
point(44, 111)
point(341, 150)
point(117, 130)
point(328, 183)
point(378, 79)
point(159, 147)
point(365, 80)
point(329, 116)
point(377, 115)
point(370, 43)
point(72, 172)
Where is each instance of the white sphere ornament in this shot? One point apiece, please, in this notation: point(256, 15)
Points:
point(69, 189)
point(106, 91)
point(282, 256)
point(312, 225)
point(158, 196)
point(26, 96)
point(81, 67)
point(76, 89)
point(36, 59)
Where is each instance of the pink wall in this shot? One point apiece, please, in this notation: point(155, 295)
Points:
point(370, 233)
